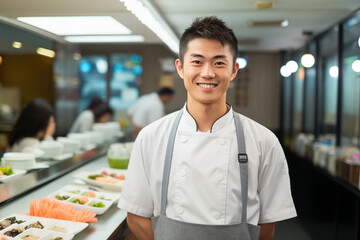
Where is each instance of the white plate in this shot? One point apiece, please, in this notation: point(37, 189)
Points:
point(70, 227)
point(17, 173)
point(35, 166)
point(38, 166)
point(115, 187)
point(75, 191)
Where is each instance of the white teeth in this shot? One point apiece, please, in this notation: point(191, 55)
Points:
point(203, 85)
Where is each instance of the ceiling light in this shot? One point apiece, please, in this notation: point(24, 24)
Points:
point(334, 71)
point(359, 42)
point(45, 52)
point(147, 15)
point(1, 60)
point(77, 25)
point(76, 56)
point(308, 60)
point(264, 4)
point(269, 23)
point(356, 66)
point(285, 71)
point(104, 38)
point(17, 44)
point(242, 62)
point(284, 23)
point(292, 66)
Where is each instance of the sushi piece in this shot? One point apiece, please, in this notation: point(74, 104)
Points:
point(4, 224)
point(36, 224)
point(15, 231)
point(30, 237)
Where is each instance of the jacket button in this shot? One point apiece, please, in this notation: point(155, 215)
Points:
point(184, 139)
point(219, 176)
point(183, 172)
point(217, 215)
point(179, 210)
point(222, 141)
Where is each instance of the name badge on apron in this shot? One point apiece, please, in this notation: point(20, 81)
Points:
point(169, 229)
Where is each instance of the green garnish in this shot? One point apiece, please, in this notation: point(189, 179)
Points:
point(105, 199)
point(6, 170)
point(99, 205)
point(77, 201)
point(58, 197)
point(94, 176)
point(74, 191)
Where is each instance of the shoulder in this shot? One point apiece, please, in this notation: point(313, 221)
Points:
point(23, 143)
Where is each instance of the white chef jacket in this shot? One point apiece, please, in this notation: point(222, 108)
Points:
point(83, 122)
point(147, 109)
point(204, 184)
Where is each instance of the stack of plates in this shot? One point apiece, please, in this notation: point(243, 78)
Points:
point(18, 160)
point(82, 137)
point(51, 149)
point(70, 145)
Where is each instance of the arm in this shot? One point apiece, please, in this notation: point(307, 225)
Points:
point(140, 226)
point(267, 231)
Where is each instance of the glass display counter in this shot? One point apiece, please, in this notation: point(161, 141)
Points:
point(17, 194)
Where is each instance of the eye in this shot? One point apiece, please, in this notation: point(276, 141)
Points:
point(220, 63)
point(196, 62)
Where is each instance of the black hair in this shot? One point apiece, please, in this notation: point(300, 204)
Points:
point(94, 103)
point(101, 110)
point(209, 28)
point(166, 91)
point(34, 118)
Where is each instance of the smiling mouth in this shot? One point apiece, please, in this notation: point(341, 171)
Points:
point(206, 85)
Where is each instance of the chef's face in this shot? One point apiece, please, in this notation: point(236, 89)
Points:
point(207, 70)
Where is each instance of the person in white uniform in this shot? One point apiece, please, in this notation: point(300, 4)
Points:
point(149, 108)
point(206, 194)
point(35, 123)
point(95, 113)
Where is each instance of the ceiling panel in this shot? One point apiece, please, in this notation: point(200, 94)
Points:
point(304, 15)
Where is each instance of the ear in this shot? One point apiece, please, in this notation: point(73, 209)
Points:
point(179, 68)
point(235, 70)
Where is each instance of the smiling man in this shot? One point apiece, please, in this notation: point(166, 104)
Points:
point(206, 172)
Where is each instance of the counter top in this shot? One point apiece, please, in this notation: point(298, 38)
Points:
point(107, 222)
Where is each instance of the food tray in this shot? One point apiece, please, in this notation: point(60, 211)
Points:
point(17, 173)
point(52, 228)
point(115, 185)
point(70, 193)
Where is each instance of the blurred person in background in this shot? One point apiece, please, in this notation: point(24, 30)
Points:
point(35, 123)
point(97, 112)
point(149, 108)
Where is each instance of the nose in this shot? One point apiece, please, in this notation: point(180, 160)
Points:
point(207, 71)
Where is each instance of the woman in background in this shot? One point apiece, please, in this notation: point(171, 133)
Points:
point(97, 112)
point(35, 123)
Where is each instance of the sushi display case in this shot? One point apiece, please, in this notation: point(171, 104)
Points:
point(110, 220)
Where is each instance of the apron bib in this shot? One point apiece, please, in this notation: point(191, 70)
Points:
point(169, 229)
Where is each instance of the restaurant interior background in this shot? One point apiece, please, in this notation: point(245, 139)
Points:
point(306, 104)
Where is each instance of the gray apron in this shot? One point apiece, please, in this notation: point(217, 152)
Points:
point(169, 229)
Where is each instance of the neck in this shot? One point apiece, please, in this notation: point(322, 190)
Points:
point(206, 114)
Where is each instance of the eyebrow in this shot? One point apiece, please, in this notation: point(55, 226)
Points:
point(201, 56)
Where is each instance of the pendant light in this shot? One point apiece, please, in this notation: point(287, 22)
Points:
point(307, 60)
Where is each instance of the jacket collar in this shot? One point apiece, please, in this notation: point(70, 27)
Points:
point(189, 123)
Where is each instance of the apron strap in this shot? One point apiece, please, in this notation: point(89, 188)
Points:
point(167, 164)
point(243, 163)
point(242, 158)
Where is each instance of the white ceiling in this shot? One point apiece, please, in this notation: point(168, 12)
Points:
point(303, 15)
